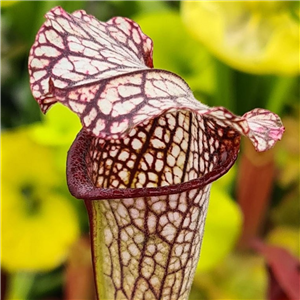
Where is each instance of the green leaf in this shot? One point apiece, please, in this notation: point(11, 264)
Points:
point(20, 284)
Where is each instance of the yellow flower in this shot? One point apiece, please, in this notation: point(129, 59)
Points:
point(59, 127)
point(252, 36)
point(7, 3)
point(223, 225)
point(38, 224)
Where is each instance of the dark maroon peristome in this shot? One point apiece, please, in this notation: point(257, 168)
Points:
point(81, 186)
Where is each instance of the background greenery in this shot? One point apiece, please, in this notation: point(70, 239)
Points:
point(44, 230)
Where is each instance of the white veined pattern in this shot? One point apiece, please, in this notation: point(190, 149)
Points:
point(148, 150)
point(75, 49)
point(102, 71)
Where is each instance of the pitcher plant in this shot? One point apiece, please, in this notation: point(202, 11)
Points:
point(146, 155)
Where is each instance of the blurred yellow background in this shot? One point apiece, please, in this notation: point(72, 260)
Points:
point(241, 55)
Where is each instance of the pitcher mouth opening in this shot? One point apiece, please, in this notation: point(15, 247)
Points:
point(81, 186)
